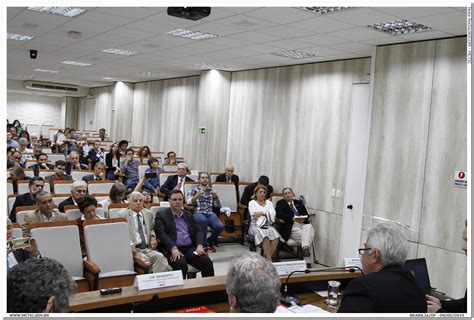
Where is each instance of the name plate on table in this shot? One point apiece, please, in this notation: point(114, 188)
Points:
point(285, 268)
point(158, 280)
point(352, 262)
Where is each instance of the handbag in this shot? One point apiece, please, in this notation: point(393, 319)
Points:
point(261, 221)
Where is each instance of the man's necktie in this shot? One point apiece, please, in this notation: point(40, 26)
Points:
point(293, 208)
point(141, 233)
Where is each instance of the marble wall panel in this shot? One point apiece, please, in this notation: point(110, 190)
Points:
point(444, 206)
point(447, 269)
point(327, 227)
point(399, 132)
point(291, 123)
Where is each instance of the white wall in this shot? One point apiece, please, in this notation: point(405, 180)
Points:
point(34, 109)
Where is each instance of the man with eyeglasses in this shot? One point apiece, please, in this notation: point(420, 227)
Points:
point(16, 160)
point(78, 190)
point(386, 286)
point(35, 186)
point(59, 174)
point(181, 239)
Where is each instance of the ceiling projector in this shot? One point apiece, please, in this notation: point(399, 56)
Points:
point(190, 13)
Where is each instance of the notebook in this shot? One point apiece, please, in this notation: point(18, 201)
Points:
point(420, 271)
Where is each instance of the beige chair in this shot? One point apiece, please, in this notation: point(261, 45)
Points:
point(23, 186)
point(63, 186)
point(55, 157)
point(9, 188)
point(242, 186)
point(187, 187)
point(11, 201)
point(141, 170)
point(100, 196)
point(214, 176)
point(73, 212)
point(100, 186)
point(114, 209)
point(29, 173)
point(43, 173)
point(228, 197)
point(60, 197)
point(169, 168)
point(16, 231)
point(109, 255)
point(78, 175)
point(59, 240)
point(275, 197)
point(21, 212)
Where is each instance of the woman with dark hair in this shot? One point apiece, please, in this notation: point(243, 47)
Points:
point(25, 134)
point(123, 146)
point(117, 194)
point(87, 205)
point(112, 161)
point(144, 153)
point(152, 183)
point(147, 198)
point(17, 174)
point(19, 128)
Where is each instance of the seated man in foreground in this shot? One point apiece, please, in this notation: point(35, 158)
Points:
point(39, 286)
point(386, 285)
point(141, 225)
point(182, 240)
point(293, 219)
point(253, 285)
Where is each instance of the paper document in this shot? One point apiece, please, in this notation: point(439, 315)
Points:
point(307, 308)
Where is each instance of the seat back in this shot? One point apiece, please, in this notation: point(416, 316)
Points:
point(77, 175)
point(141, 170)
point(43, 173)
point(73, 212)
point(11, 201)
point(227, 194)
point(29, 173)
point(114, 209)
point(30, 163)
point(100, 186)
point(214, 176)
point(60, 243)
point(169, 168)
point(108, 244)
point(21, 212)
point(63, 186)
point(193, 176)
point(23, 186)
point(16, 231)
point(164, 176)
point(100, 196)
point(60, 197)
point(275, 197)
point(9, 188)
point(242, 186)
point(55, 157)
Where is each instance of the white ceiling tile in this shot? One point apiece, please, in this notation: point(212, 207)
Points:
point(199, 47)
point(289, 44)
point(446, 21)
point(41, 19)
point(363, 16)
point(239, 10)
point(229, 42)
point(321, 25)
point(173, 22)
point(414, 12)
point(383, 41)
point(322, 39)
point(130, 12)
point(286, 32)
point(457, 31)
point(281, 15)
point(262, 48)
point(104, 18)
point(255, 37)
point(352, 47)
point(217, 28)
point(425, 35)
point(245, 22)
point(12, 12)
point(322, 51)
point(357, 34)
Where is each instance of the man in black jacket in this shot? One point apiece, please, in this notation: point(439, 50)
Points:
point(181, 239)
point(176, 182)
point(78, 190)
point(386, 285)
point(229, 176)
point(35, 186)
point(248, 191)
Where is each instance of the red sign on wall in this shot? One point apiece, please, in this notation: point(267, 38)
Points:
point(460, 179)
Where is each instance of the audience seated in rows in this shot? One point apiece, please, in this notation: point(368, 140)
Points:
point(35, 186)
point(59, 174)
point(181, 240)
point(253, 285)
point(39, 286)
point(386, 287)
point(45, 212)
point(228, 176)
point(262, 214)
point(23, 145)
point(176, 182)
point(141, 224)
point(206, 201)
point(78, 190)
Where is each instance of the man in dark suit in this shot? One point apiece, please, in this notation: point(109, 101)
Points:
point(35, 186)
point(181, 239)
point(74, 164)
point(96, 154)
point(99, 173)
point(59, 174)
point(78, 190)
point(248, 191)
point(386, 285)
point(176, 182)
point(229, 176)
point(41, 164)
point(292, 216)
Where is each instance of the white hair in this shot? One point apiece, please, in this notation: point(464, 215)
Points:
point(77, 184)
point(390, 241)
point(133, 195)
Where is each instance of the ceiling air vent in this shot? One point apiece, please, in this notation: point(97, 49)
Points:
point(51, 87)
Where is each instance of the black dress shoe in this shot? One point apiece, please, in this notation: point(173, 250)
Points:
point(286, 248)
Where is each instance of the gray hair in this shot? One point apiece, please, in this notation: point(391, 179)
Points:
point(255, 284)
point(182, 165)
point(133, 195)
point(23, 141)
point(390, 241)
point(30, 285)
point(73, 153)
point(77, 184)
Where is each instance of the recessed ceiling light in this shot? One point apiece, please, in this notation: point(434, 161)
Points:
point(47, 71)
point(20, 37)
point(108, 78)
point(151, 74)
point(399, 27)
point(77, 63)
point(205, 65)
point(120, 52)
point(191, 34)
point(295, 54)
point(59, 11)
point(323, 10)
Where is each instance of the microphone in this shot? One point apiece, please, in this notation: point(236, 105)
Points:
point(288, 299)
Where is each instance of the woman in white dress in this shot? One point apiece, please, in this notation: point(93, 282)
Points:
point(265, 235)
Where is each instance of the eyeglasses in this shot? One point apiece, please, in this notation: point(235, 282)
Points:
point(362, 250)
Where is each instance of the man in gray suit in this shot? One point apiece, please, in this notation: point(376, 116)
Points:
point(141, 224)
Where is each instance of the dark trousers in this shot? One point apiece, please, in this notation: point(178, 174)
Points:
point(204, 264)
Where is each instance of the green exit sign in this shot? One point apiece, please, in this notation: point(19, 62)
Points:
point(202, 130)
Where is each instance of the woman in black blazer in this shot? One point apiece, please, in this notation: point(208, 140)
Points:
point(112, 161)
